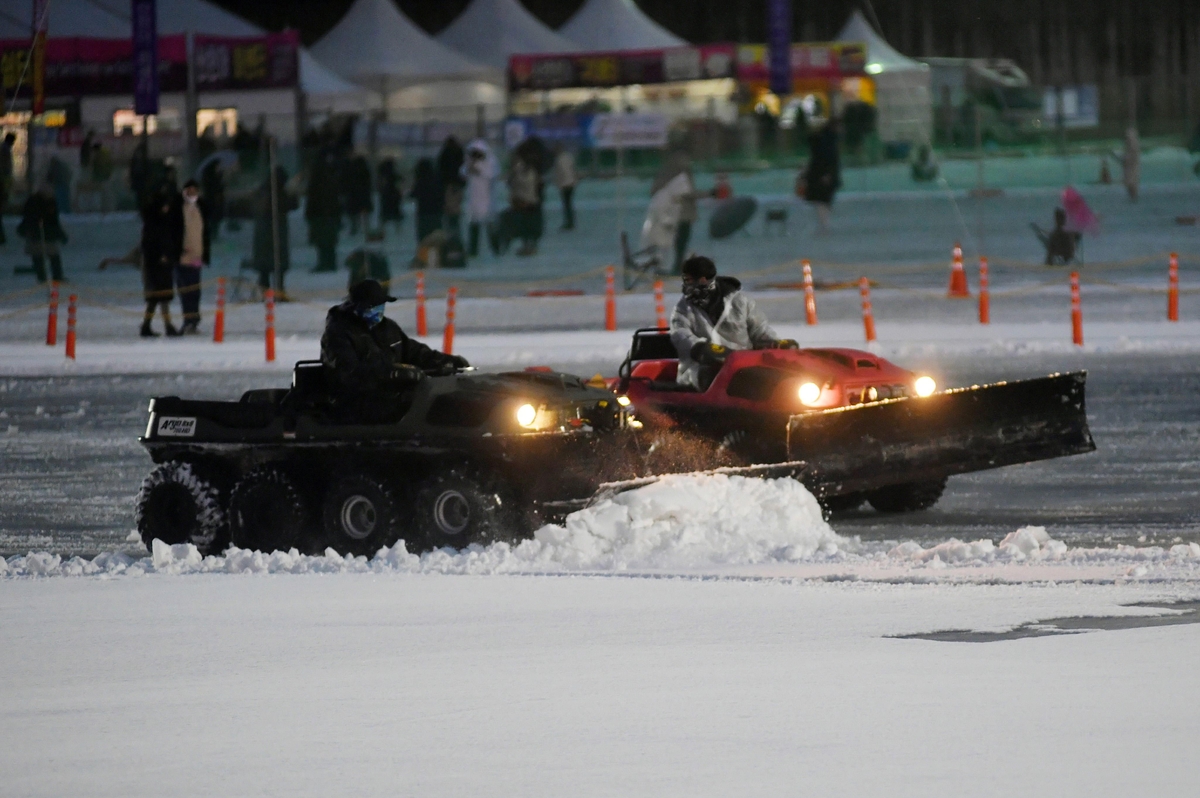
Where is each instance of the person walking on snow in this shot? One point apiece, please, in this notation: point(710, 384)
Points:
point(712, 318)
point(43, 233)
point(1131, 163)
point(480, 170)
point(6, 178)
point(194, 254)
point(162, 244)
point(566, 178)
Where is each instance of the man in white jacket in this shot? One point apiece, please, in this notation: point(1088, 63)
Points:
point(712, 318)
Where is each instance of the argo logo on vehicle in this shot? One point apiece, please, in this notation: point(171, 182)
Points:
point(177, 427)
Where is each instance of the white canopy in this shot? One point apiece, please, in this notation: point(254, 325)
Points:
point(903, 99)
point(616, 25)
point(489, 31)
point(377, 47)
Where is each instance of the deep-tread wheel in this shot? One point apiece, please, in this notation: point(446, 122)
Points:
point(179, 503)
point(907, 497)
point(459, 507)
point(844, 503)
point(361, 514)
point(266, 513)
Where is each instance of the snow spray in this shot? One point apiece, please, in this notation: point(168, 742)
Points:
point(1173, 288)
point(219, 316)
point(422, 322)
point(985, 299)
point(958, 277)
point(864, 288)
point(1076, 311)
point(448, 332)
point(810, 299)
point(52, 321)
point(610, 299)
point(660, 312)
point(71, 326)
point(269, 296)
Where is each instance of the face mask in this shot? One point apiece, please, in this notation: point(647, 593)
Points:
point(697, 292)
point(372, 316)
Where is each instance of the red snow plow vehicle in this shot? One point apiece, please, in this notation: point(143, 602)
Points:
point(864, 428)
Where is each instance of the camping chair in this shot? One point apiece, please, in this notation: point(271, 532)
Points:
point(637, 266)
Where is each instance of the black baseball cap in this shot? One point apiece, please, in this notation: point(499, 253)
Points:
point(369, 293)
point(699, 266)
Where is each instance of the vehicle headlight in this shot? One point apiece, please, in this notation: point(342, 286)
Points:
point(925, 386)
point(623, 401)
point(526, 414)
point(810, 392)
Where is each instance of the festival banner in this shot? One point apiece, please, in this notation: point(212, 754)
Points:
point(84, 67)
point(624, 68)
point(779, 43)
point(40, 20)
point(225, 63)
point(145, 57)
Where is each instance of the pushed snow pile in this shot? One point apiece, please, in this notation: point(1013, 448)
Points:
point(1027, 543)
point(679, 522)
point(686, 521)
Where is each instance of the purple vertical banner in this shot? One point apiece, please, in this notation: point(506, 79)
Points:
point(145, 57)
point(779, 45)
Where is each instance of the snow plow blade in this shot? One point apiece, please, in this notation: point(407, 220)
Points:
point(792, 469)
point(895, 441)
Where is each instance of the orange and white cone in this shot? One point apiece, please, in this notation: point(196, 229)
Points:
point(958, 277)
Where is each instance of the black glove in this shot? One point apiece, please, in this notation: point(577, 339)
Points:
point(404, 374)
point(705, 352)
point(458, 361)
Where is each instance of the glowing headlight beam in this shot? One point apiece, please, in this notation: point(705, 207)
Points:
point(526, 414)
point(925, 386)
point(810, 392)
point(623, 401)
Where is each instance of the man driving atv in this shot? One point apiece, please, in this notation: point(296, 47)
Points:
point(712, 318)
point(372, 361)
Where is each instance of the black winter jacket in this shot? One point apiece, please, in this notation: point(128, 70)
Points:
point(362, 357)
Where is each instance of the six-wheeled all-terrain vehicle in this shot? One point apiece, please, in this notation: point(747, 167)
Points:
point(468, 458)
point(475, 458)
point(864, 428)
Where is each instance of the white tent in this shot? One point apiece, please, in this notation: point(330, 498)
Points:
point(616, 25)
point(489, 31)
point(902, 85)
point(377, 47)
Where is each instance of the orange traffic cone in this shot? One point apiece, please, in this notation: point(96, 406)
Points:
point(810, 300)
point(1173, 288)
point(958, 277)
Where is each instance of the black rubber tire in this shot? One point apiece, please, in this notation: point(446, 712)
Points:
point(844, 503)
point(267, 513)
point(179, 503)
point(908, 497)
point(361, 514)
point(460, 506)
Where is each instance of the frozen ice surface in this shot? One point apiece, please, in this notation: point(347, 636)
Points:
point(383, 684)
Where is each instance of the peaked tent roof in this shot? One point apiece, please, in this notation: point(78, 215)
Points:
point(490, 31)
point(616, 25)
point(377, 47)
point(879, 52)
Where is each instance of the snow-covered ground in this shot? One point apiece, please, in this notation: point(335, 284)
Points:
point(693, 637)
point(407, 684)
